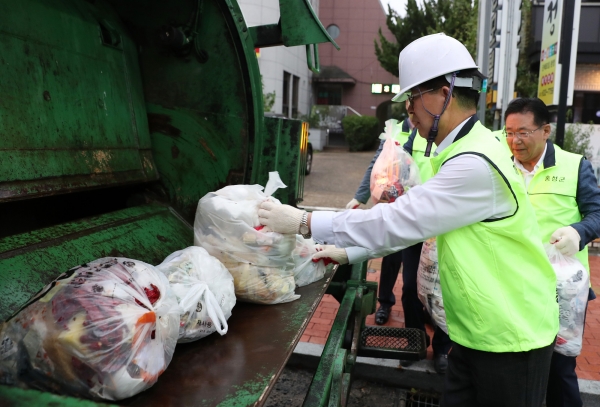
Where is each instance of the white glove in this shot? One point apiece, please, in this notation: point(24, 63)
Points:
point(278, 218)
point(331, 253)
point(566, 240)
point(353, 204)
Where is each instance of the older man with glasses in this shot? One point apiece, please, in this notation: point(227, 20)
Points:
point(566, 199)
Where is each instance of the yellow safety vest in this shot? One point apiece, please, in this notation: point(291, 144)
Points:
point(419, 146)
point(498, 286)
point(553, 193)
point(401, 131)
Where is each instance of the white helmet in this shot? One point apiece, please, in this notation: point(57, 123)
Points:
point(429, 57)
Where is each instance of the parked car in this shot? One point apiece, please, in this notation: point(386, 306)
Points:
point(309, 159)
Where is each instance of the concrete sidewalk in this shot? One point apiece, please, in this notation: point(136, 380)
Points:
point(334, 178)
point(332, 183)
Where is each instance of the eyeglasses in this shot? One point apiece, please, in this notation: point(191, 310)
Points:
point(520, 134)
point(411, 98)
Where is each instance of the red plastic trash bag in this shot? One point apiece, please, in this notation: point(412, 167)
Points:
point(106, 330)
point(394, 172)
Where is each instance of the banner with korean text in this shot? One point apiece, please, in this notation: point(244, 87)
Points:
point(549, 81)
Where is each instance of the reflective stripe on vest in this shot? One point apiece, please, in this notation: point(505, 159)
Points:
point(498, 286)
point(553, 192)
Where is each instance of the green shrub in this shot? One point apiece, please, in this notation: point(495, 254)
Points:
point(576, 139)
point(361, 132)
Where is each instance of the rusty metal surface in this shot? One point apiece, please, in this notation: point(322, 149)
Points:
point(15, 397)
point(237, 369)
point(204, 101)
point(284, 150)
point(234, 370)
point(31, 260)
point(72, 112)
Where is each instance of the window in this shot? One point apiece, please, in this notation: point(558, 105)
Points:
point(295, 95)
point(285, 105)
point(291, 95)
point(329, 95)
point(591, 108)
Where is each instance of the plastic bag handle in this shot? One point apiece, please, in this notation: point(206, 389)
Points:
point(216, 313)
point(213, 310)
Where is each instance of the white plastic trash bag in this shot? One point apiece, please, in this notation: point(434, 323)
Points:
point(306, 271)
point(227, 226)
point(204, 290)
point(107, 329)
point(572, 288)
point(394, 171)
point(428, 283)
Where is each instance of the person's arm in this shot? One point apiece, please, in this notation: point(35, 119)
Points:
point(588, 201)
point(465, 191)
point(364, 190)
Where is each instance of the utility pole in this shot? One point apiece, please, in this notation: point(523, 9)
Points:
point(564, 59)
point(509, 52)
point(483, 49)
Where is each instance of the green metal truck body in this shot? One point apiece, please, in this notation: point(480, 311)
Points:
point(116, 117)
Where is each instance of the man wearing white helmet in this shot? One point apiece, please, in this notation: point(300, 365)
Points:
point(498, 286)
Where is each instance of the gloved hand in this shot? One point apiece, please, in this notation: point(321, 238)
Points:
point(353, 204)
point(332, 253)
point(282, 219)
point(566, 240)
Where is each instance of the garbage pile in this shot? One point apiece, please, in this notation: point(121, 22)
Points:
point(108, 329)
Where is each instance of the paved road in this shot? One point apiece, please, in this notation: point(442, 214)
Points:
point(335, 176)
point(291, 388)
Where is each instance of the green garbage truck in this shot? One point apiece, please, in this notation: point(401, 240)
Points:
point(116, 117)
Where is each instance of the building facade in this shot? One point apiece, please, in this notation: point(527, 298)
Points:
point(586, 95)
point(284, 70)
point(347, 76)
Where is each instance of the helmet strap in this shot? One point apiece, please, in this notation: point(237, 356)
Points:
point(436, 117)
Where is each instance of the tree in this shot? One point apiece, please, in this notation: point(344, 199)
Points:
point(268, 98)
point(456, 18)
point(405, 30)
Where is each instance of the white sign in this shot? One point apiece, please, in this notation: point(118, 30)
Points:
point(509, 52)
point(549, 78)
point(550, 69)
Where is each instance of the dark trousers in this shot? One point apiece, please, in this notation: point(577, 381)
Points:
point(563, 389)
point(488, 379)
point(390, 266)
point(413, 309)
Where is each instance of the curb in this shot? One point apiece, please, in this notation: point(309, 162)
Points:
point(421, 375)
